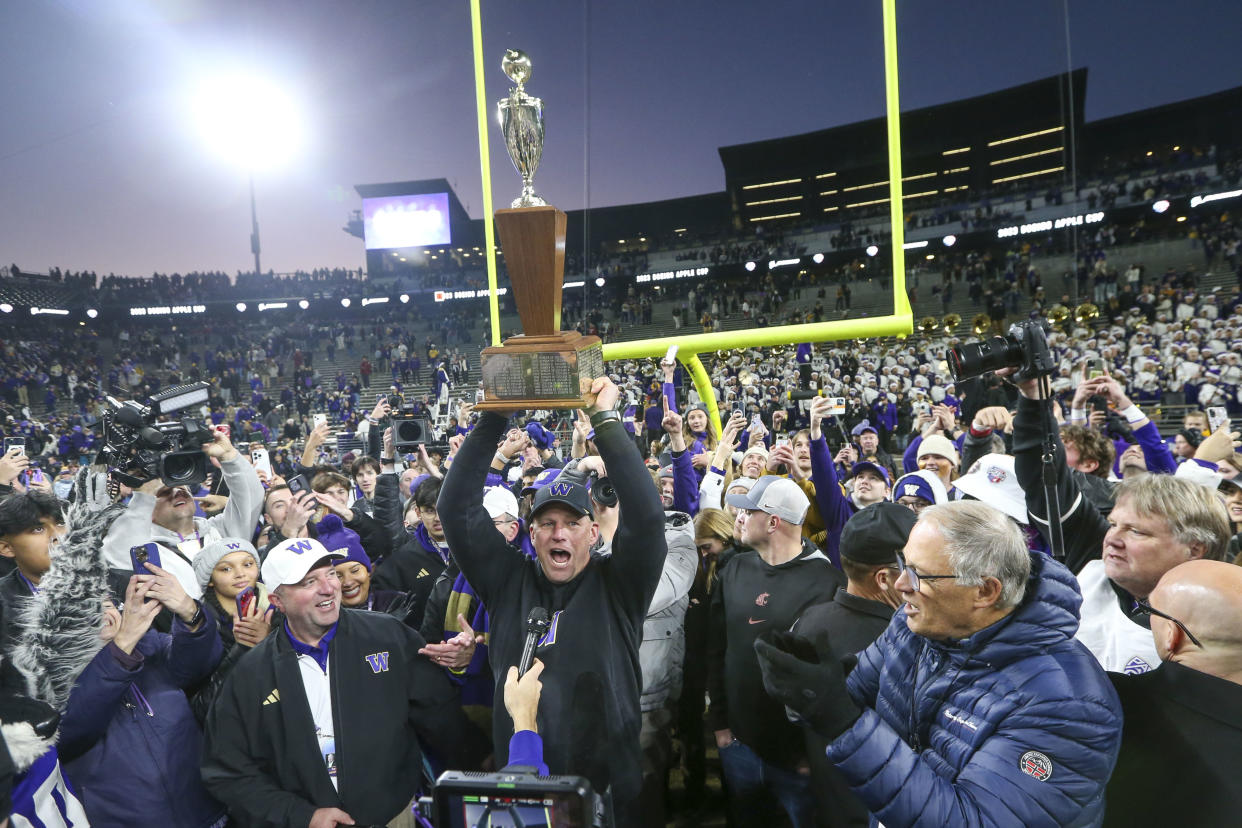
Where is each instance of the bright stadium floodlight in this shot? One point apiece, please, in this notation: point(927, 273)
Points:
point(599, 281)
point(872, 250)
point(345, 302)
point(91, 313)
point(949, 240)
point(241, 307)
point(303, 304)
point(1160, 206)
point(750, 267)
point(249, 121)
point(818, 258)
point(5, 307)
point(405, 297)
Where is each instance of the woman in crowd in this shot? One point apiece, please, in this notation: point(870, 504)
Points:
point(354, 571)
point(226, 569)
point(713, 536)
point(1232, 490)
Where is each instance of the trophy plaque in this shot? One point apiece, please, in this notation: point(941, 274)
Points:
point(543, 367)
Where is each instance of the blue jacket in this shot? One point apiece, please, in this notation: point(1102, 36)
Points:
point(129, 741)
point(1017, 724)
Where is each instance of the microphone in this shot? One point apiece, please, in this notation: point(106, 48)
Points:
point(536, 626)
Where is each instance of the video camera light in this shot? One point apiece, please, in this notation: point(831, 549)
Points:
point(172, 400)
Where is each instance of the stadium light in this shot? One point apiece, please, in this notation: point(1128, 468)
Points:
point(599, 281)
point(303, 304)
point(405, 297)
point(5, 307)
point(818, 258)
point(750, 267)
point(872, 250)
point(949, 240)
point(1161, 205)
point(92, 313)
point(241, 307)
point(248, 120)
point(1204, 199)
point(345, 302)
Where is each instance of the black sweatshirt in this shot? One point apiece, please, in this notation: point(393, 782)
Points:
point(753, 597)
point(588, 712)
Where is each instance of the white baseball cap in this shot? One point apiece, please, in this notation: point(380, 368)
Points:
point(288, 561)
point(993, 480)
point(498, 500)
point(775, 495)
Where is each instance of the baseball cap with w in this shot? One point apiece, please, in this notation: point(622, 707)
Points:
point(288, 561)
point(564, 491)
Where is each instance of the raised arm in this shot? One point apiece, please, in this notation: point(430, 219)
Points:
point(487, 560)
point(639, 547)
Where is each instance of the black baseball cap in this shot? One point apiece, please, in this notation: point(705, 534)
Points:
point(877, 533)
point(568, 493)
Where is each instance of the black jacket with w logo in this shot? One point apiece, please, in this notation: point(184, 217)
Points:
point(261, 756)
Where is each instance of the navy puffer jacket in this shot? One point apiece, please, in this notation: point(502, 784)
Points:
point(1015, 725)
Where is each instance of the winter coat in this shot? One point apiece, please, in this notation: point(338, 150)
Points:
point(1014, 725)
point(128, 739)
point(663, 648)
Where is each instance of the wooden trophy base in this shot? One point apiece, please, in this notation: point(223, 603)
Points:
point(546, 371)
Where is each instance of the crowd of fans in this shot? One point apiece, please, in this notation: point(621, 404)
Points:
point(839, 587)
point(877, 606)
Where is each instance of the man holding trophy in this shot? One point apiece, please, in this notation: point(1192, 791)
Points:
point(589, 718)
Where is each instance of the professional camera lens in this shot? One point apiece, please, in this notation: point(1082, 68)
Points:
point(410, 431)
point(183, 468)
point(977, 358)
point(603, 493)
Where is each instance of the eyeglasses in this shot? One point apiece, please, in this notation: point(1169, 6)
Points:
point(1145, 608)
point(915, 578)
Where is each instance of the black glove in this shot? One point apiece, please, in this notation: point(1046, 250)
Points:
point(808, 680)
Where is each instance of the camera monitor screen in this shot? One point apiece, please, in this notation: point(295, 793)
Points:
point(512, 801)
point(406, 221)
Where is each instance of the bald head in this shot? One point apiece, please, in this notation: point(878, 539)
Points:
point(1206, 596)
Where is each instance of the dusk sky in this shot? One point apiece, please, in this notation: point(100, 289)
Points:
point(102, 167)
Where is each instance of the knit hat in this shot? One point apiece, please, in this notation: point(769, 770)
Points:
point(540, 437)
point(940, 445)
point(921, 483)
point(335, 537)
point(211, 554)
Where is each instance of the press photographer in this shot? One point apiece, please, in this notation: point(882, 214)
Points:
point(162, 510)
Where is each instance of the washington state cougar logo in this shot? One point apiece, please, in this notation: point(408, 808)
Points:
point(762, 600)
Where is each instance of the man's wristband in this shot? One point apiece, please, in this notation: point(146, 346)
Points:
point(500, 458)
point(1132, 414)
point(607, 415)
point(1078, 414)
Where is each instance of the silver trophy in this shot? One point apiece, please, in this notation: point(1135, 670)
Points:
point(521, 120)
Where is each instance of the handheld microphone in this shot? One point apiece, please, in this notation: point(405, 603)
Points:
point(536, 626)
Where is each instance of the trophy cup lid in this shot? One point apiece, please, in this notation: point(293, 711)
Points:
point(516, 65)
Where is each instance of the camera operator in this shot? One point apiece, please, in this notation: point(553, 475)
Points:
point(165, 514)
point(597, 605)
